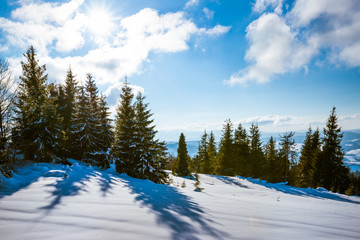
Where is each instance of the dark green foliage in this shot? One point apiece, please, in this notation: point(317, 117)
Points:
point(225, 157)
point(201, 163)
point(124, 147)
point(272, 162)
point(79, 129)
point(309, 152)
point(86, 128)
point(182, 166)
point(354, 187)
point(241, 151)
point(329, 170)
point(211, 150)
point(197, 183)
point(287, 155)
point(105, 128)
point(150, 153)
point(35, 132)
point(69, 112)
point(256, 156)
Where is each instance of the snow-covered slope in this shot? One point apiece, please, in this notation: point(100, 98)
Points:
point(55, 202)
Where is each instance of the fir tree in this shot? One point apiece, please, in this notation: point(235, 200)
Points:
point(79, 130)
point(69, 110)
point(271, 159)
point(124, 147)
point(225, 163)
point(211, 149)
point(204, 165)
point(309, 153)
point(86, 129)
point(35, 132)
point(241, 151)
point(287, 155)
point(256, 156)
point(150, 153)
point(182, 166)
point(105, 128)
point(329, 169)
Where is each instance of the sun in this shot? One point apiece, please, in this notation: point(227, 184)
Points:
point(99, 22)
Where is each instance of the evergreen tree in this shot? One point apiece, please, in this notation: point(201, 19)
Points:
point(124, 147)
point(271, 159)
point(225, 157)
point(305, 161)
point(182, 166)
point(256, 156)
point(80, 130)
point(105, 128)
point(204, 165)
point(87, 125)
point(150, 153)
point(241, 149)
point(93, 136)
point(211, 150)
point(309, 153)
point(287, 155)
point(68, 113)
point(329, 169)
point(35, 132)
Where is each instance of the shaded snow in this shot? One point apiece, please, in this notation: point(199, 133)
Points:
point(55, 202)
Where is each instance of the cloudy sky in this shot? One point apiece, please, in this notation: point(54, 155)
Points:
point(280, 64)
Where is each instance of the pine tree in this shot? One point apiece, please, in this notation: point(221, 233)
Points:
point(93, 137)
point(204, 165)
point(287, 155)
point(124, 148)
point(225, 157)
point(79, 130)
point(105, 128)
point(256, 156)
point(86, 127)
point(211, 149)
point(241, 151)
point(182, 166)
point(329, 169)
point(150, 153)
point(35, 132)
point(309, 153)
point(271, 159)
point(69, 109)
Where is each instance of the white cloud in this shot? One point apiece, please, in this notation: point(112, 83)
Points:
point(54, 28)
point(191, 3)
point(261, 6)
point(279, 43)
point(216, 31)
point(274, 49)
point(209, 14)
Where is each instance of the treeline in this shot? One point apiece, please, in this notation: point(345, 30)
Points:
point(44, 122)
point(240, 153)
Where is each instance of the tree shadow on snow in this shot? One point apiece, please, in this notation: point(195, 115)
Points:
point(172, 209)
point(73, 184)
point(305, 192)
point(106, 181)
point(229, 180)
point(23, 178)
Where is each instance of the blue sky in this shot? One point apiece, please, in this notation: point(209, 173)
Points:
point(280, 64)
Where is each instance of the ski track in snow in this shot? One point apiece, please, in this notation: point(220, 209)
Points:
point(46, 201)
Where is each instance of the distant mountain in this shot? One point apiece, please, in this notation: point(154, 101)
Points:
point(350, 143)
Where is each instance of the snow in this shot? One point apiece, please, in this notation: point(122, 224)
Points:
point(46, 201)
